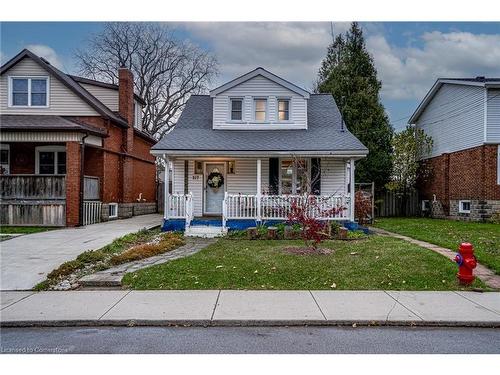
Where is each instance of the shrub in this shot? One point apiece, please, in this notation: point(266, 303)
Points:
point(334, 228)
point(362, 207)
point(261, 231)
point(91, 256)
point(65, 269)
point(167, 242)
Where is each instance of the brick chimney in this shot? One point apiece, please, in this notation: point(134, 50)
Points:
point(126, 103)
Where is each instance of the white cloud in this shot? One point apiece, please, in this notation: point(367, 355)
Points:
point(408, 73)
point(291, 50)
point(47, 53)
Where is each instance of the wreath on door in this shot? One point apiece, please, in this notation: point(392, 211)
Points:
point(215, 180)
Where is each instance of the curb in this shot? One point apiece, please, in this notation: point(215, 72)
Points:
point(244, 323)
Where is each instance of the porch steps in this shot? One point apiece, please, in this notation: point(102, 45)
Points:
point(205, 231)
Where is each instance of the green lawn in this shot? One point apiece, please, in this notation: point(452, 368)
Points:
point(24, 230)
point(376, 263)
point(448, 233)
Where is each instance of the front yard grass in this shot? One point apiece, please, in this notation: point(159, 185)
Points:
point(24, 230)
point(485, 237)
point(376, 262)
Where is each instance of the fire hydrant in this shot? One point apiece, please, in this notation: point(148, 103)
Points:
point(466, 263)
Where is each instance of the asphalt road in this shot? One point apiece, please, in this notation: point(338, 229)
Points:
point(250, 340)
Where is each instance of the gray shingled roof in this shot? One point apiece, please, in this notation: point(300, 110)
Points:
point(324, 134)
point(45, 123)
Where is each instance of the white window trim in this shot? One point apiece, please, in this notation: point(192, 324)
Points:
point(294, 175)
point(462, 211)
point(266, 120)
point(54, 149)
point(4, 146)
point(289, 99)
point(230, 112)
point(29, 78)
point(115, 205)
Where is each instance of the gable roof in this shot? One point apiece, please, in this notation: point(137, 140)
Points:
point(325, 133)
point(477, 81)
point(71, 84)
point(106, 85)
point(264, 73)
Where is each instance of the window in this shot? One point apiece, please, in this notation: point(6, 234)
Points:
point(236, 109)
point(231, 167)
point(283, 110)
point(50, 160)
point(28, 92)
point(4, 159)
point(260, 109)
point(113, 210)
point(464, 207)
point(294, 176)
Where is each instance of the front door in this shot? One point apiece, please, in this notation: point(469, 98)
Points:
point(214, 188)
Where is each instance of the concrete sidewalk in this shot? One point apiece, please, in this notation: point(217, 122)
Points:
point(26, 260)
point(251, 307)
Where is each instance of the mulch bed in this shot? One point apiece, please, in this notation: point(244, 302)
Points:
point(307, 250)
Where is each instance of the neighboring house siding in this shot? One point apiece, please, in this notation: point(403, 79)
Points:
point(493, 116)
point(333, 176)
point(108, 97)
point(454, 118)
point(62, 101)
point(259, 87)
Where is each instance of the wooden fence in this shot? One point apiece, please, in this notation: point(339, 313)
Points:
point(33, 200)
point(389, 204)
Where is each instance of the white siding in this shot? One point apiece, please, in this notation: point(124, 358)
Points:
point(62, 101)
point(454, 118)
point(244, 180)
point(493, 116)
point(108, 97)
point(333, 176)
point(263, 88)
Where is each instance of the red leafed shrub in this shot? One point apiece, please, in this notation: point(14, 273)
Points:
point(306, 211)
point(362, 207)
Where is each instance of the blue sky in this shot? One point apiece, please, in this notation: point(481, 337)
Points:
point(408, 56)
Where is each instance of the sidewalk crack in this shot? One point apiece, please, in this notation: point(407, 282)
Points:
point(215, 307)
point(317, 304)
point(399, 303)
point(476, 303)
point(117, 302)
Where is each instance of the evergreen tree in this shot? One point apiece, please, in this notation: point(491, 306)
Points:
point(348, 73)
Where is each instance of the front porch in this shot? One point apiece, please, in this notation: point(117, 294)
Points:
point(255, 191)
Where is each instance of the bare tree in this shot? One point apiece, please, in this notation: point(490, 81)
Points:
point(166, 69)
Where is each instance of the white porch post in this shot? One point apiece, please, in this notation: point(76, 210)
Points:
point(351, 193)
point(259, 188)
point(165, 187)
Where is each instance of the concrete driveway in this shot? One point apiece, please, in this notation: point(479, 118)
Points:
point(26, 260)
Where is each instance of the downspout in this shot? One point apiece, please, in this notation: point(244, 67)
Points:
point(82, 178)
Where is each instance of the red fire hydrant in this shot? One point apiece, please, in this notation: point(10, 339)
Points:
point(466, 263)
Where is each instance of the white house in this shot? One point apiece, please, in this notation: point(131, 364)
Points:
point(241, 153)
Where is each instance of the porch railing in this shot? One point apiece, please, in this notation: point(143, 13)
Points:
point(180, 206)
point(91, 212)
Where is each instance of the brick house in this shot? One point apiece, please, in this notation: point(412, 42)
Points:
point(72, 149)
point(463, 118)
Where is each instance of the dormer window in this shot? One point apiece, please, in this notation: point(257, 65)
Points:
point(283, 109)
point(28, 92)
point(236, 109)
point(260, 109)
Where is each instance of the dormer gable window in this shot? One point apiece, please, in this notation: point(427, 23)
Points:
point(236, 109)
point(260, 106)
point(28, 91)
point(283, 109)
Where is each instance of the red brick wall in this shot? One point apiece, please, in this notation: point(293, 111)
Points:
point(72, 183)
point(466, 174)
